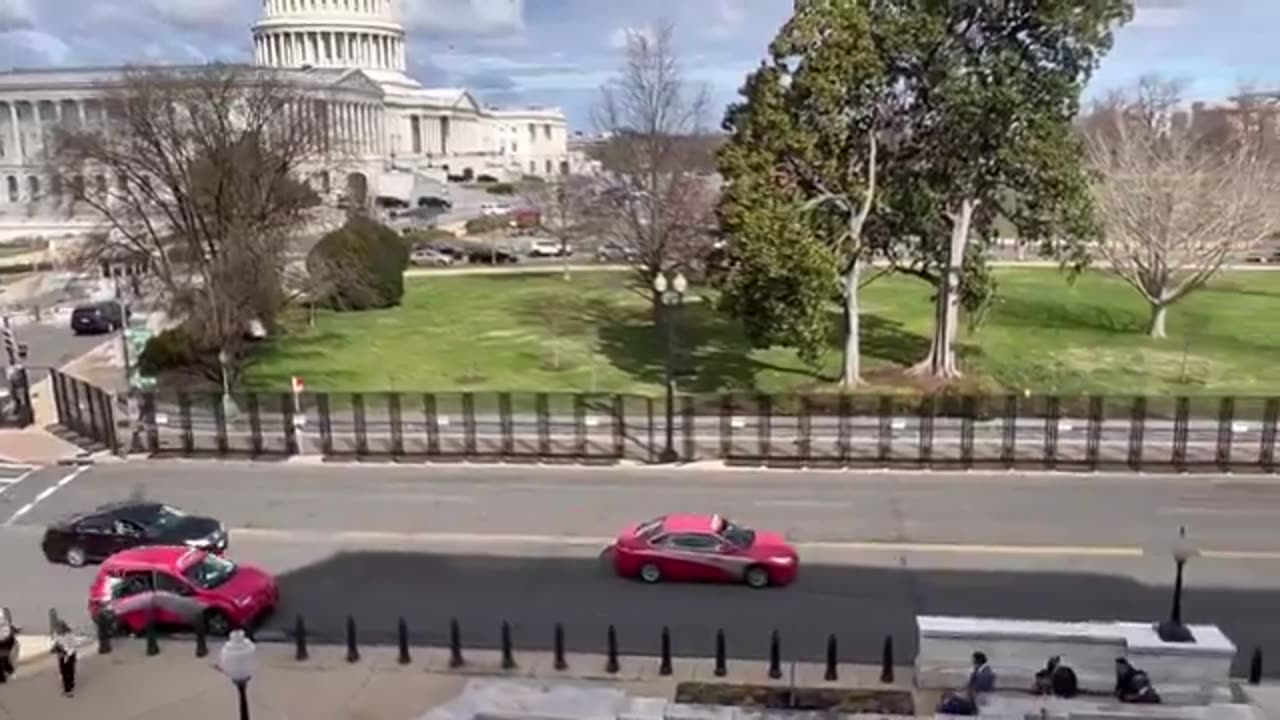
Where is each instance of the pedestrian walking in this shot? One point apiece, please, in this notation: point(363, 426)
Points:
point(64, 646)
point(8, 645)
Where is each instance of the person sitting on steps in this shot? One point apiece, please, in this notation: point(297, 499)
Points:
point(982, 680)
point(1057, 679)
point(1133, 685)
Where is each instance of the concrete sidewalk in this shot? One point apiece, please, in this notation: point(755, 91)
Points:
point(128, 685)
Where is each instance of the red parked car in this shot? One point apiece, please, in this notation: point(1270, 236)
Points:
point(703, 548)
point(180, 585)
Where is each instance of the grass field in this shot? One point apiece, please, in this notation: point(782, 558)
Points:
point(540, 332)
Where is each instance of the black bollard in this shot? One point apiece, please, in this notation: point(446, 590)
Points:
point(104, 624)
point(300, 640)
point(153, 640)
point(202, 636)
point(886, 660)
point(722, 668)
point(402, 632)
point(832, 660)
point(455, 644)
point(353, 652)
point(561, 663)
point(508, 656)
point(775, 656)
point(1255, 667)
point(665, 667)
point(611, 664)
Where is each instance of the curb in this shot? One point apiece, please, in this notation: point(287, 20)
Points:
point(81, 459)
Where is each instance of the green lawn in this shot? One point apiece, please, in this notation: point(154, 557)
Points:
point(539, 332)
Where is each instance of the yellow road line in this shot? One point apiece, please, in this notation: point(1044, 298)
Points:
point(375, 536)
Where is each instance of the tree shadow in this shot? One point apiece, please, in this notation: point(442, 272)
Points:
point(887, 340)
point(1030, 312)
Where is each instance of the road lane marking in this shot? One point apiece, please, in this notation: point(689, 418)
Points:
point(44, 494)
point(7, 483)
point(270, 534)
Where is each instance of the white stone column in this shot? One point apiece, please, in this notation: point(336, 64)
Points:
point(38, 146)
point(15, 133)
point(80, 113)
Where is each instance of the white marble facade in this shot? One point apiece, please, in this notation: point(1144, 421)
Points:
point(347, 54)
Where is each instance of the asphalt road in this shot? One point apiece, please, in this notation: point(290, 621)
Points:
point(522, 544)
point(51, 343)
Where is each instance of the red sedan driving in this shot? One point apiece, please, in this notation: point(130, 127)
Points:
point(703, 548)
point(180, 585)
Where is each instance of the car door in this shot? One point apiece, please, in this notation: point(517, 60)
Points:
point(94, 536)
point(692, 557)
point(132, 598)
point(127, 534)
point(177, 603)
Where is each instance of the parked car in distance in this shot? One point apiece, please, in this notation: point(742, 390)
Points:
point(98, 317)
point(100, 533)
point(437, 203)
point(703, 548)
point(180, 587)
point(491, 256)
point(492, 209)
point(549, 247)
point(427, 257)
point(615, 252)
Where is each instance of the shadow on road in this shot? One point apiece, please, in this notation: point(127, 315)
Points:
point(860, 604)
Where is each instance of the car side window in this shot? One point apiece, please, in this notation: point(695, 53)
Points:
point(168, 583)
point(695, 542)
point(93, 526)
point(126, 528)
point(133, 583)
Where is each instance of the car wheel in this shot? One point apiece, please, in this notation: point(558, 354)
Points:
point(757, 577)
point(217, 623)
point(76, 556)
point(650, 573)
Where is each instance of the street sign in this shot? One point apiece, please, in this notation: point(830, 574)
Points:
point(295, 383)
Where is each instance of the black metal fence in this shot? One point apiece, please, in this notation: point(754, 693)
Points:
point(86, 410)
point(1014, 431)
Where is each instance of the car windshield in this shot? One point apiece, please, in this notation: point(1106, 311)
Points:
point(737, 535)
point(165, 518)
point(210, 572)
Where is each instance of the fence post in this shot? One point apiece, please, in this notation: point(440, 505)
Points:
point(924, 421)
point(726, 426)
point(395, 415)
point(255, 423)
point(326, 424)
point(290, 426)
point(1137, 429)
point(842, 428)
point(579, 426)
point(77, 423)
point(1181, 420)
point(469, 424)
point(222, 442)
point(805, 429)
point(59, 395)
point(968, 409)
point(149, 417)
point(1267, 441)
point(1052, 422)
point(619, 426)
point(184, 422)
point(113, 432)
point(93, 416)
point(361, 428)
point(764, 426)
point(884, 438)
point(1226, 432)
point(542, 407)
point(507, 445)
point(689, 417)
point(1009, 433)
point(431, 418)
point(1093, 441)
point(653, 449)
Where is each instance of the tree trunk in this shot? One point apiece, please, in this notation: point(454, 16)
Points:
point(851, 374)
point(1155, 328)
point(940, 363)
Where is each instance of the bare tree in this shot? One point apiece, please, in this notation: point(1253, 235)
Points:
point(563, 209)
point(658, 208)
point(198, 171)
point(1179, 197)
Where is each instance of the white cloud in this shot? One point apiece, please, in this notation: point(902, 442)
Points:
point(470, 17)
point(198, 14)
point(729, 16)
point(39, 49)
point(16, 15)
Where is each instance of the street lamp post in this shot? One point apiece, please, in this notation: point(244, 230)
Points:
point(676, 288)
point(1172, 630)
point(237, 662)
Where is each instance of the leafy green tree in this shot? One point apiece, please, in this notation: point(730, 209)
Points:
point(800, 169)
point(359, 266)
point(988, 132)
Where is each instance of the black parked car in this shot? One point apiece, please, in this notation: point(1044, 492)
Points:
point(98, 317)
point(491, 256)
point(97, 535)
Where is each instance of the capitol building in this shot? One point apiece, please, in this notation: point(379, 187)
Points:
point(350, 55)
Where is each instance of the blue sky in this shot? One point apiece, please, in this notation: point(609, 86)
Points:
point(557, 52)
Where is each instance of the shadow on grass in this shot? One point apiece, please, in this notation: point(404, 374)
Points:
point(861, 604)
point(1031, 312)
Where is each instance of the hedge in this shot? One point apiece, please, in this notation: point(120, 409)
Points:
point(360, 266)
